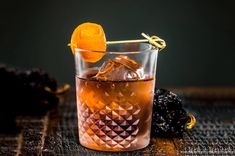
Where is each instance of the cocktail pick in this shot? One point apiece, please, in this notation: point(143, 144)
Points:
point(154, 40)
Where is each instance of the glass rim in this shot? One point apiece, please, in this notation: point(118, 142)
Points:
point(150, 48)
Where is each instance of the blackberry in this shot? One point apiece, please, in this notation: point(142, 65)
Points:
point(169, 117)
point(25, 92)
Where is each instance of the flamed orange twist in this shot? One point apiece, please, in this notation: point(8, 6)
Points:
point(89, 36)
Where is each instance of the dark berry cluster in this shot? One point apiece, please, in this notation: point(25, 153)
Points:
point(25, 92)
point(169, 117)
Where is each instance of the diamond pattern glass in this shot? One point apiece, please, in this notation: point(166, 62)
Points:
point(114, 115)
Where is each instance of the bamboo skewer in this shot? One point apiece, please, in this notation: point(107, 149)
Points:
point(154, 40)
point(127, 41)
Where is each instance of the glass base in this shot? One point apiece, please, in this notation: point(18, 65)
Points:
point(137, 146)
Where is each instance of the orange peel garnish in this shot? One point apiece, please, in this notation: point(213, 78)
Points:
point(89, 36)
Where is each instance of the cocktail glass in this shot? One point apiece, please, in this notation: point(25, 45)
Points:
point(115, 96)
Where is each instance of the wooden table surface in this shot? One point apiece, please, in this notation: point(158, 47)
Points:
point(56, 132)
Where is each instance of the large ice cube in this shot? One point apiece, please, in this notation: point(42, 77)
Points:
point(120, 68)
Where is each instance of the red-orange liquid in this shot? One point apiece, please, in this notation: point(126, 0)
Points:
point(114, 115)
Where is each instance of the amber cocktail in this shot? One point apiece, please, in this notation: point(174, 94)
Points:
point(115, 96)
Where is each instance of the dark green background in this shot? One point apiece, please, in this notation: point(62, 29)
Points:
point(199, 34)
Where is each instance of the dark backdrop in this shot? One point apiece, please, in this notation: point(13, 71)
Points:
point(199, 35)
